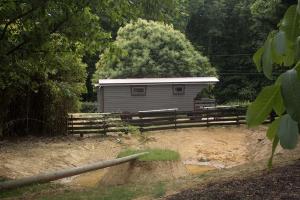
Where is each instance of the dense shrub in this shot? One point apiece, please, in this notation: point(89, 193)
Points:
point(88, 107)
point(151, 49)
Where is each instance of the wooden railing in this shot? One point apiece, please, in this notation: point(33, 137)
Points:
point(102, 123)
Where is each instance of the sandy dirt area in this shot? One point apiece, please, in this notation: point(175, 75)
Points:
point(217, 147)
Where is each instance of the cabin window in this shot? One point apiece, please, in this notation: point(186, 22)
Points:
point(138, 91)
point(178, 89)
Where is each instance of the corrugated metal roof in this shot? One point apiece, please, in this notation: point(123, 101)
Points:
point(156, 81)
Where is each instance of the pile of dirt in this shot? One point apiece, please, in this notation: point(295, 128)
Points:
point(144, 172)
point(31, 156)
point(280, 183)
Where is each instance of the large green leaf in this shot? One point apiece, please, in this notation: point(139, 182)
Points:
point(297, 67)
point(257, 58)
point(278, 104)
point(288, 132)
point(290, 90)
point(259, 110)
point(289, 57)
point(274, 145)
point(267, 60)
point(291, 23)
point(279, 42)
point(273, 128)
point(297, 50)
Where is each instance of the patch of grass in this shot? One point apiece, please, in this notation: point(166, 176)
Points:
point(153, 155)
point(2, 179)
point(159, 190)
point(24, 191)
point(105, 193)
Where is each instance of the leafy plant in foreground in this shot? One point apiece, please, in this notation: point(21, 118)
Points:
point(282, 48)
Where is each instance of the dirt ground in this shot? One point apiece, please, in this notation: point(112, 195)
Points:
point(201, 149)
point(280, 183)
point(138, 172)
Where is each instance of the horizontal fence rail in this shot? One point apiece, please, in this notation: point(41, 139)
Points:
point(102, 123)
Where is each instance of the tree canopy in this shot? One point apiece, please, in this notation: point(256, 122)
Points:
point(151, 49)
point(42, 46)
point(228, 32)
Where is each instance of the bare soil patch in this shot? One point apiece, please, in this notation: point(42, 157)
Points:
point(201, 149)
point(144, 172)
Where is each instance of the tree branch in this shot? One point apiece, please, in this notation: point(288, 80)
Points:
point(16, 47)
point(14, 20)
point(55, 28)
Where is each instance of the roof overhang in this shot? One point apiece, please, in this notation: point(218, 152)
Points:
point(156, 81)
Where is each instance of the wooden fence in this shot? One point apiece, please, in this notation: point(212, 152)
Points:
point(89, 123)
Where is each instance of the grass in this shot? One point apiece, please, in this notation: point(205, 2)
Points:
point(106, 193)
point(153, 155)
point(237, 102)
point(56, 192)
point(24, 191)
point(124, 192)
point(159, 190)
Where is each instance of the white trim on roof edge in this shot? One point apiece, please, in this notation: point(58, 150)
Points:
point(156, 81)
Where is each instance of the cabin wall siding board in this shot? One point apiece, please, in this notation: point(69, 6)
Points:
point(119, 99)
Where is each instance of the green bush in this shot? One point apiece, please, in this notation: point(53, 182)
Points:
point(151, 49)
point(88, 107)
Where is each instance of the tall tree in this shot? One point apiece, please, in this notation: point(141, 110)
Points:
point(42, 44)
point(151, 49)
point(225, 30)
point(169, 11)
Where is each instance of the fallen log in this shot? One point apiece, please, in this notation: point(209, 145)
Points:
point(47, 177)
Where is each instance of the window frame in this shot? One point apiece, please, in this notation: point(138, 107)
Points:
point(138, 86)
point(176, 93)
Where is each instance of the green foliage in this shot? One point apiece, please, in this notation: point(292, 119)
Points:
point(151, 49)
point(98, 193)
point(42, 48)
point(153, 155)
point(169, 11)
point(225, 31)
point(133, 129)
point(260, 109)
point(88, 107)
point(280, 48)
point(264, 8)
point(272, 130)
point(159, 190)
point(28, 190)
point(291, 93)
point(206, 93)
point(288, 132)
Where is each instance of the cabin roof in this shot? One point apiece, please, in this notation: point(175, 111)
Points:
point(156, 81)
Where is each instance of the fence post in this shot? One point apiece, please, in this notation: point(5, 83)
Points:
point(142, 122)
point(206, 119)
point(175, 119)
point(67, 124)
point(237, 116)
point(72, 123)
point(81, 134)
point(104, 124)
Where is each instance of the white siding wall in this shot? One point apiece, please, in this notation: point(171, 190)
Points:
point(119, 99)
